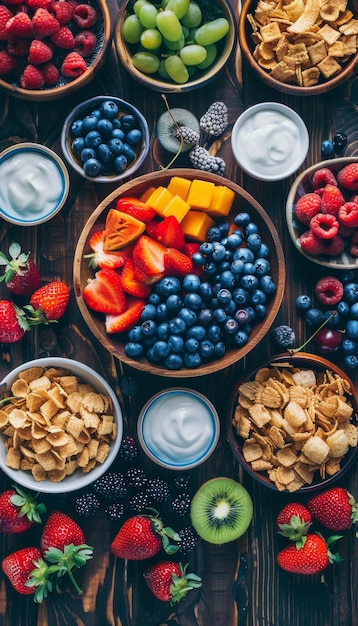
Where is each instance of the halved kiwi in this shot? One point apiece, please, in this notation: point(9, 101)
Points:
point(221, 510)
point(167, 126)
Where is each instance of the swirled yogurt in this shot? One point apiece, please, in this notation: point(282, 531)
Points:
point(178, 428)
point(33, 184)
point(269, 141)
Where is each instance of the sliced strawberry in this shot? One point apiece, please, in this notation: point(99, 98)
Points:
point(104, 293)
point(170, 233)
point(123, 322)
point(190, 249)
point(177, 262)
point(130, 283)
point(136, 208)
point(148, 259)
point(100, 258)
point(151, 226)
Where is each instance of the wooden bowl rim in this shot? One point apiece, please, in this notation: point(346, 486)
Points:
point(230, 357)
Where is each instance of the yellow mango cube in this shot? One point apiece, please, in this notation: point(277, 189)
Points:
point(196, 224)
point(145, 195)
point(179, 186)
point(200, 194)
point(159, 199)
point(221, 201)
point(177, 207)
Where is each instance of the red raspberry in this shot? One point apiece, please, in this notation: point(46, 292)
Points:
point(344, 231)
point(44, 24)
point(307, 207)
point(31, 78)
point(323, 177)
point(84, 15)
point(348, 177)
point(333, 247)
point(7, 63)
point(64, 38)
point(5, 16)
point(17, 46)
point(311, 244)
point(348, 214)
point(324, 225)
point(329, 290)
point(39, 52)
point(73, 65)
point(50, 73)
point(331, 199)
point(63, 11)
point(39, 4)
point(85, 43)
point(20, 25)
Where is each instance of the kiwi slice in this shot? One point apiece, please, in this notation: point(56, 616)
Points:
point(221, 510)
point(167, 129)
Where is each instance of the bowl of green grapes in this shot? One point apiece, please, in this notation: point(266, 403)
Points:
point(177, 46)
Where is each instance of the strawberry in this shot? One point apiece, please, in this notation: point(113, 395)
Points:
point(13, 322)
point(136, 208)
point(329, 290)
point(293, 521)
point(169, 582)
point(176, 262)
point(100, 258)
point(51, 300)
point(32, 77)
point(324, 225)
point(148, 259)
point(84, 15)
point(310, 558)
point(7, 63)
point(331, 199)
point(141, 537)
point(19, 510)
point(18, 567)
point(20, 25)
point(334, 508)
point(122, 322)
point(347, 177)
point(64, 38)
point(130, 283)
point(85, 43)
point(307, 207)
point(50, 73)
point(322, 177)
point(104, 293)
point(44, 24)
point(348, 214)
point(59, 531)
point(73, 65)
point(170, 233)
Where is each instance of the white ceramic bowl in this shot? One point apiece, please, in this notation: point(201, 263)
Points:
point(178, 428)
point(34, 184)
point(269, 141)
point(78, 479)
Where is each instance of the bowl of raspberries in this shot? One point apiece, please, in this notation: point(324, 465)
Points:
point(50, 48)
point(322, 213)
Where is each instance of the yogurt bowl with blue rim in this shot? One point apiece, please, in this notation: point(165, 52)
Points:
point(34, 184)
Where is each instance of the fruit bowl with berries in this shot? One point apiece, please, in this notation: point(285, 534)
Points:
point(322, 213)
point(179, 272)
point(51, 49)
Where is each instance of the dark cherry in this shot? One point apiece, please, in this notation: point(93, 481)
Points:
point(328, 340)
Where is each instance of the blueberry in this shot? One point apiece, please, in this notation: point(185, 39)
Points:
point(249, 268)
point(224, 228)
point(230, 326)
point(191, 282)
point(193, 301)
point(154, 298)
point(267, 284)
point(115, 145)
point(264, 251)
point(219, 349)
point(135, 333)
point(262, 266)
point(117, 133)
point(77, 146)
point(197, 332)
point(92, 167)
point(76, 128)
point(303, 302)
point(230, 307)
point(242, 316)
point(109, 109)
point(354, 311)
point(327, 148)
point(133, 349)
point(240, 296)
point(149, 312)
point(237, 267)
point(260, 310)
point(161, 349)
point(210, 268)
point(96, 113)
point(333, 319)
point(258, 297)
point(153, 356)
point(168, 285)
point(149, 328)
point(249, 282)
point(205, 290)
point(240, 339)
point(174, 303)
point(213, 234)
point(177, 325)
point(128, 152)
point(349, 346)
point(242, 219)
point(134, 137)
point(351, 361)
point(162, 312)
point(214, 333)
point(314, 317)
point(206, 248)
point(188, 316)
point(103, 153)
point(176, 343)
point(251, 229)
point(245, 255)
point(197, 258)
point(205, 316)
point(219, 251)
point(254, 242)
point(219, 315)
point(105, 127)
point(352, 329)
point(173, 362)
point(224, 266)
point(128, 122)
point(163, 331)
point(93, 139)
point(343, 308)
point(192, 360)
point(206, 348)
point(87, 153)
point(191, 344)
point(351, 292)
point(120, 163)
point(234, 240)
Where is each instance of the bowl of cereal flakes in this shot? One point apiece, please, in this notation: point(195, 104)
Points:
point(301, 48)
point(293, 423)
point(60, 425)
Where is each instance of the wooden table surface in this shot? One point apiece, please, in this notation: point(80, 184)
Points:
point(113, 593)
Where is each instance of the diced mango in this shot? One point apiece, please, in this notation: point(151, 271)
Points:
point(177, 207)
point(146, 194)
point(179, 186)
point(200, 194)
point(196, 224)
point(221, 201)
point(159, 199)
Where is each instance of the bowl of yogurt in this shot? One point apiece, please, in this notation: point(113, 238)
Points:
point(269, 141)
point(178, 428)
point(34, 184)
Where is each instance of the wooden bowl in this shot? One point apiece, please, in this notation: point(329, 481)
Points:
point(201, 79)
point(65, 86)
point(300, 187)
point(247, 46)
point(299, 360)
point(243, 202)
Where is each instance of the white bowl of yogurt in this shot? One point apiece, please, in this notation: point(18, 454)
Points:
point(269, 141)
point(178, 428)
point(34, 184)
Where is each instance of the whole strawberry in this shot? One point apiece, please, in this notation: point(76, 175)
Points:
point(334, 508)
point(59, 531)
point(21, 274)
point(13, 322)
point(169, 582)
point(18, 567)
point(19, 510)
point(310, 558)
point(51, 300)
point(142, 537)
point(293, 521)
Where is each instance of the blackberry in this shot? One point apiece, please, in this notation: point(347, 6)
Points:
point(284, 336)
point(189, 539)
point(87, 504)
point(114, 511)
point(158, 490)
point(181, 504)
point(215, 120)
point(182, 482)
point(189, 135)
point(128, 450)
point(112, 486)
point(128, 386)
point(136, 477)
point(201, 159)
point(139, 502)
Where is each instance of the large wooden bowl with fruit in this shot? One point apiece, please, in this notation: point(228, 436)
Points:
point(179, 272)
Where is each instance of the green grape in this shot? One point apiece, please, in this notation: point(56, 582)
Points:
point(146, 62)
point(193, 16)
point(191, 36)
point(151, 39)
point(211, 32)
point(148, 15)
point(132, 29)
point(176, 69)
point(211, 52)
point(162, 71)
point(138, 5)
point(193, 54)
point(179, 7)
point(174, 45)
point(169, 25)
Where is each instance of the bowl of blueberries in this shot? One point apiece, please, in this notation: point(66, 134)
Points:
point(199, 276)
point(105, 139)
